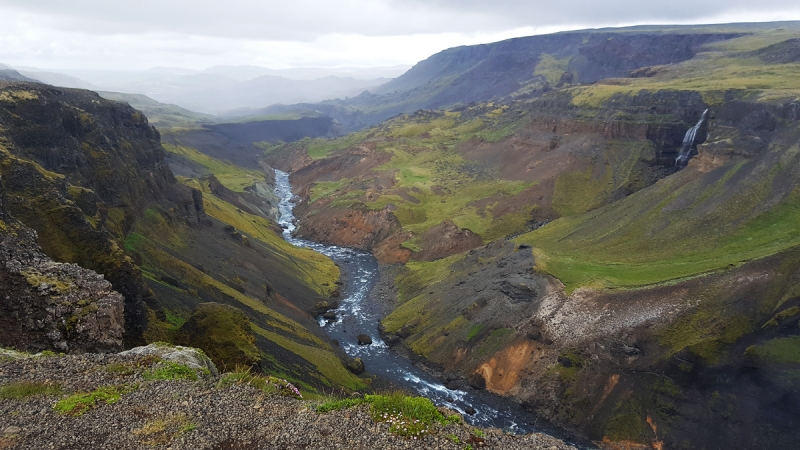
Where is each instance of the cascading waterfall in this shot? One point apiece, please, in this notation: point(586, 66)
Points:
point(689, 147)
point(356, 314)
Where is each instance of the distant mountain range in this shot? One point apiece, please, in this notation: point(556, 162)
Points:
point(219, 90)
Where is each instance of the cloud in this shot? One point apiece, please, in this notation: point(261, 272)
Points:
point(202, 33)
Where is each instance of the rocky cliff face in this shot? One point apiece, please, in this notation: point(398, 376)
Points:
point(47, 305)
point(79, 170)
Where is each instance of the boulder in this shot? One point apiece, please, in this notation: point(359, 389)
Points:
point(188, 356)
point(355, 366)
point(364, 339)
point(477, 381)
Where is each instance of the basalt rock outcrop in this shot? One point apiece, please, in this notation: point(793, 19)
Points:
point(53, 306)
point(80, 171)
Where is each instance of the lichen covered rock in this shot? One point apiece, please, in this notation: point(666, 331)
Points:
point(45, 305)
point(190, 357)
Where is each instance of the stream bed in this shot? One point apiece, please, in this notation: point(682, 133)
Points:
point(357, 315)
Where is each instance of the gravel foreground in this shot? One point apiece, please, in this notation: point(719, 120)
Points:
point(181, 414)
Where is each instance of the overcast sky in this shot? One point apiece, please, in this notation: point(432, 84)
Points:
point(126, 34)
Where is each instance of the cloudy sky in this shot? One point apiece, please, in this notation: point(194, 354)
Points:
point(125, 34)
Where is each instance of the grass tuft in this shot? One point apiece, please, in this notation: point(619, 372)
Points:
point(168, 370)
point(26, 389)
point(80, 403)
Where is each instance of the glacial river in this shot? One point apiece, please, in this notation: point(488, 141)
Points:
point(357, 315)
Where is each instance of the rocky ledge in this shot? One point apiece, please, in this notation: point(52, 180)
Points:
point(168, 397)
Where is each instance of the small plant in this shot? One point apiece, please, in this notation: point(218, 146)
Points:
point(336, 405)
point(118, 369)
point(286, 388)
point(478, 432)
point(453, 438)
point(162, 431)
point(168, 370)
point(77, 404)
point(266, 383)
point(25, 389)
point(468, 447)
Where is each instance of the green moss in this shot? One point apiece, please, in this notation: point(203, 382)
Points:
point(264, 383)
point(168, 370)
point(474, 331)
point(705, 332)
point(783, 315)
point(328, 365)
point(551, 68)
point(26, 389)
point(780, 350)
point(407, 416)
point(35, 279)
point(119, 369)
point(78, 404)
point(223, 332)
point(339, 404)
point(163, 431)
point(627, 422)
point(230, 175)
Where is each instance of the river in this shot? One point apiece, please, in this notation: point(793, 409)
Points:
point(357, 315)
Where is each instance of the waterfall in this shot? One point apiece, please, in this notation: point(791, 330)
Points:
point(688, 149)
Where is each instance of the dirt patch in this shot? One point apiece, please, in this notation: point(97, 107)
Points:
point(356, 163)
point(503, 370)
point(444, 240)
point(389, 251)
point(360, 228)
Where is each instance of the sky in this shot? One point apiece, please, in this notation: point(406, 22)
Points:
point(196, 34)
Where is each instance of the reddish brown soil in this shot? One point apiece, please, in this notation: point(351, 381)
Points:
point(360, 228)
point(444, 240)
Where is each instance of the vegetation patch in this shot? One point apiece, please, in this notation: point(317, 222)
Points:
point(781, 350)
point(163, 431)
point(327, 363)
point(25, 389)
point(78, 404)
point(168, 370)
point(230, 175)
point(265, 383)
point(406, 415)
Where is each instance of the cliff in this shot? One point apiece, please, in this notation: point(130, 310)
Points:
point(53, 306)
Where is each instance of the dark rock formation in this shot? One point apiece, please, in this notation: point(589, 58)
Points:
point(45, 305)
point(364, 339)
point(355, 366)
point(93, 166)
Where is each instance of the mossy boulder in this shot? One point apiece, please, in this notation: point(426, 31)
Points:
point(224, 333)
